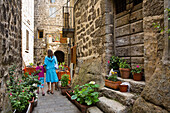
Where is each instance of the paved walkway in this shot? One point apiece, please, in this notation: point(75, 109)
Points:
point(55, 103)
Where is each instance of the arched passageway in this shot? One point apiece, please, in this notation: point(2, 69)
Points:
point(60, 56)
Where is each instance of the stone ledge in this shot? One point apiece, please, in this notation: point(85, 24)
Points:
point(111, 106)
point(125, 98)
point(136, 86)
point(94, 110)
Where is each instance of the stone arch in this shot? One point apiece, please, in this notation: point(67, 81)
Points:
point(60, 56)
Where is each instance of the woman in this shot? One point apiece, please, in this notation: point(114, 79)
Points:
point(51, 75)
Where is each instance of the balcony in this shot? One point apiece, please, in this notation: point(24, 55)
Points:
point(68, 22)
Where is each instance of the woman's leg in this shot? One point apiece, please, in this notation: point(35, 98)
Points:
point(52, 87)
point(48, 83)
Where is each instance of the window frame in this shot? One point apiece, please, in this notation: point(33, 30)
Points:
point(51, 1)
point(39, 34)
point(52, 11)
point(27, 40)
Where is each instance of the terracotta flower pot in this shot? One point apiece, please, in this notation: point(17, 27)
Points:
point(123, 88)
point(83, 108)
point(112, 84)
point(137, 76)
point(64, 89)
point(124, 72)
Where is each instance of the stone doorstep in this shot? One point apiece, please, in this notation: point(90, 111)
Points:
point(125, 98)
point(111, 106)
point(94, 110)
point(136, 86)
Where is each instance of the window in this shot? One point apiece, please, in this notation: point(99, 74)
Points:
point(136, 2)
point(52, 1)
point(27, 40)
point(52, 11)
point(40, 34)
point(120, 6)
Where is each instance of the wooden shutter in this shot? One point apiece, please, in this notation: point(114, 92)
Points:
point(73, 55)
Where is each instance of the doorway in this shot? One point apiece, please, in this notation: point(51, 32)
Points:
point(60, 56)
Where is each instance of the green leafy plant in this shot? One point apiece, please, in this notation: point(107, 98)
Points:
point(123, 64)
point(114, 62)
point(113, 77)
point(86, 94)
point(20, 89)
point(31, 64)
point(64, 80)
point(138, 69)
point(158, 26)
point(63, 63)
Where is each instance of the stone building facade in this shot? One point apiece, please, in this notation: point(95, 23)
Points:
point(48, 26)
point(27, 31)
point(124, 28)
point(10, 45)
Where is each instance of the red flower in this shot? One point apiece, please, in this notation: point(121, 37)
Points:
point(20, 80)
point(41, 84)
point(23, 69)
point(23, 91)
point(108, 61)
point(29, 73)
point(38, 78)
point(10, 94)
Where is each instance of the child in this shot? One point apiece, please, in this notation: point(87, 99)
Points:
point(40, 78)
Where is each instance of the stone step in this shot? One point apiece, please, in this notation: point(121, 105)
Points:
point(125, 98)
point(111, 106)
point(94, 110)
point(136, 86)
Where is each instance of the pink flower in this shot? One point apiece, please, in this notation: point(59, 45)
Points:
point(18, 84)
point(41, 84)
point(23, 91)
point(20, 80)
point(38, 78)
point(137, 66)
point(108, 61)
point(10, 94)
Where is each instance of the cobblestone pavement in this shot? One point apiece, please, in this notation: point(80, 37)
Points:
point(55, 103)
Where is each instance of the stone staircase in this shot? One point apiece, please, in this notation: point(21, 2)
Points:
point(113, 101)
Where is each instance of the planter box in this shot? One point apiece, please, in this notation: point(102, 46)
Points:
point(69, 97)
point(83, 108)
point(112, 84)
point(64, 89)
point(124, 72)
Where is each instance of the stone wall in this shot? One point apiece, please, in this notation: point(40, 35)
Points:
point(49, 25)
point(94, 39)
point(10, 45)
point(155, 97)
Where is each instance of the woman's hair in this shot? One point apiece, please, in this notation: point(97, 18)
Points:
point(50, 53)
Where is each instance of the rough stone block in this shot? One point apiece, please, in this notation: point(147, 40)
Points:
point(120, 31)
point(137, 38)
point(122, 41)
point(137, 27)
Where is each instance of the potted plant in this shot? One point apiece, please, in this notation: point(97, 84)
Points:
point(85, 96)
point(30, 68)
point(124, 69)
point(64, 84)
point(112, 81)
point(69, 93)
point(137, 73)
point(21, 91)
point(114, 63)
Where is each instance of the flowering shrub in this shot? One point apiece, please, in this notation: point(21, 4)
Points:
point(114, 62)
point(20, 89)
point(113, 77)
point(138, 69)
point(86, 94)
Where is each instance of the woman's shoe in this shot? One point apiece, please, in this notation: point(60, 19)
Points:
point(43, 94)
point(48, 91)
point(52, 92)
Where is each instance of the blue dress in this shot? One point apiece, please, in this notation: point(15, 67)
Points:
point(51, 75)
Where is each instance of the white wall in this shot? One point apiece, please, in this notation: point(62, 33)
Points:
point(28, 24)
